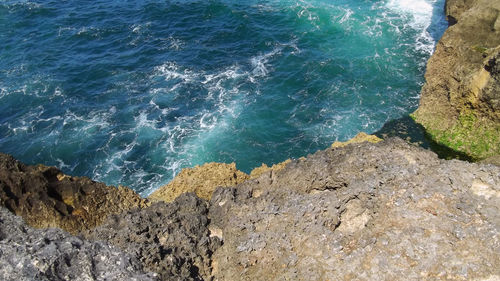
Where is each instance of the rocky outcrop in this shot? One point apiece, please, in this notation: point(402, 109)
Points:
point(386, 211)
point(455, 8)
point(383, 211)
point(355, 211)
point(45, 197)
point(460, 101)
point(52, 254)
point(359, 138)
point(256, 172)
point(201, 180)
point(170, 239)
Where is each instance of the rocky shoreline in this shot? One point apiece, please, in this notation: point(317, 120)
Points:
point(363, 210)
point(460, 101)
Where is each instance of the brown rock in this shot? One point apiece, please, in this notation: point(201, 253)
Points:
point(460, 101)
point(202, 180)
point(455, 8)
point(45, 197)
point(359, 138)
point(255, 173)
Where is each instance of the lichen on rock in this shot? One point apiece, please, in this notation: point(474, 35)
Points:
point(256, 172)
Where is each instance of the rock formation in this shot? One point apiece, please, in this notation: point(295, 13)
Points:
point(460, 101)
point(170, 239)
point(356, 211)
point(256, 172)
point(45, 197)
point(383, 211)
point(52, 255)
point(386, 211)
point(359, 138)
point(201, 180)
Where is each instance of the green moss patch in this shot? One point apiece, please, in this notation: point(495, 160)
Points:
point(474, 137)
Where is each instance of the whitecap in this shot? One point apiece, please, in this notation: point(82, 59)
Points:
point(420, 16)
point(170, 70)
point(347, 15)
point(259, 63)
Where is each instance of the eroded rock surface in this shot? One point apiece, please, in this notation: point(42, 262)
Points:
point(359, 138)
point(45, 197)
point(460, 101)
point(386, 211)
point(170, 239)
point(202, 180)
point(52, 254)
point(256, 172)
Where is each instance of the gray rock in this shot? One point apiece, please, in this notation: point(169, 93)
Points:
point(52, 254)
point(386, 211)
point(171, 239)
point(382, 211)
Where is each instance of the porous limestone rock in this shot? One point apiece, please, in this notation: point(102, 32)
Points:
point(360, 137)
point(385, 211)
point(256, 172)
point(460, 101)
point(53, 255)
point(171, 239)
point(45, 197)
point(201, 180)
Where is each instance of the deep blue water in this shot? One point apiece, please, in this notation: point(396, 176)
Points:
point(130, 92)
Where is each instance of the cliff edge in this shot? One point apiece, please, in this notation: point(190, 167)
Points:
point(383, 211)
point(460, 101)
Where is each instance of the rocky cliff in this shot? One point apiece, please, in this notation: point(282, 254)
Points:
point(383, 211)
point(460, 101)
point(45, 197)
point(52, 254)
point(363, 210)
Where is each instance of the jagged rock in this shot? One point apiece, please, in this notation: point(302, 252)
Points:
point(455, 8)
point(360, 137)
point(170, 239)
point(385, 211)
point(52, 254)
point(256, 172)
point(460, 101)
point(45, 197)
point(201, 180)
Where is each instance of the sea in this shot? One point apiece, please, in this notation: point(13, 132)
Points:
point(130, 92)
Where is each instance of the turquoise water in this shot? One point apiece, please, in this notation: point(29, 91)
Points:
point(130, 92)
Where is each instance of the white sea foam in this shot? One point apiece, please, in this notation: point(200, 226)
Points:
point(65, 29)
point(174, 43)
point(3, 92)
point(140, 28)
point(259, 63)
point(170, 70)
point(420, 13)
point(346, 16)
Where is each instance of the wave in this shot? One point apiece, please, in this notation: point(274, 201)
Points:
point(419, 14)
